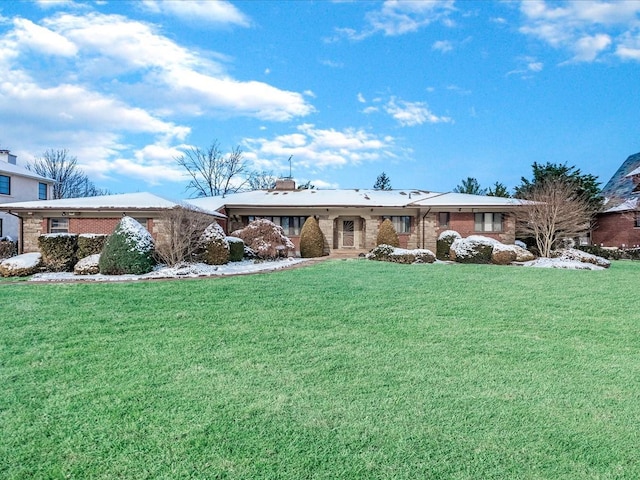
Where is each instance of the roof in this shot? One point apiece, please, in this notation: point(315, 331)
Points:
point(129, 201)
point(352, 198)
point(619, 189)
point(6, 167)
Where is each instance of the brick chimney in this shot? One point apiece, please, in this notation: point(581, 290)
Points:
point(285, 184)
point(5, 156)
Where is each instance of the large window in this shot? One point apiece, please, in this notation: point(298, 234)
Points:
point(290, 225)
point(488, 222)
point(59, 225)
point(5, 185)
point(401, 224)
point(42, 191)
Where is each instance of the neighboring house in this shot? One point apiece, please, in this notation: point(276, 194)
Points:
point(350, 219)
point(98, 214)
point(18, 184)
point(619, 223)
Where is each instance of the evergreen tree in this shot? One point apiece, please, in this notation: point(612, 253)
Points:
point(498, 190)
point(470, 186)
point(382, 182)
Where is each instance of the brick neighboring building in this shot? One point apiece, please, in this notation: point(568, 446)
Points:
point(18, 184)
point(619, 223)
point(98, 214)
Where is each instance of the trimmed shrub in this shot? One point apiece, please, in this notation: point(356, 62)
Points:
point(8, 248)
point(580, 256)
point(89, 265)
point(443, 245)
point(473, 249)
point(215, 247)
point(311, 239)
point(611, 253)
point(58, 251)
point(236, 249)
point(387, 253)
point(266, 239)
point(129, 250)
point(90, 244)
point(21, 265)
point(387, 234)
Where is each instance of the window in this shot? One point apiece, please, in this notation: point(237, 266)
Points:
point(59, 225)
point(488, 222)
point(637, 222)
point(290, 225)
point(0, 228)
point(42, 191)
point(5, 185)
point(401, 224)
point(443, 219)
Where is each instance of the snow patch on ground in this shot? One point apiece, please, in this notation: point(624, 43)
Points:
point(561, 263)
point(189, 270)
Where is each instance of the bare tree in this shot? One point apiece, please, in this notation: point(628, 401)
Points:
point(262, 180)
point(71, 182)
point(554, 211)
point(214, 173)
point(180, 239)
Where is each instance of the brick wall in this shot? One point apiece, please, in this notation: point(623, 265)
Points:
point(616, 230)
point(464, 224)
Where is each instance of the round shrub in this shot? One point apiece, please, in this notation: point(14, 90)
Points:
point(90, 244)
point(215, 247)
point(236, 249)
point(311, 239)
point(473, 249)
point(58, 251)
point(443, 245)
point(129, 250)
point(387, 234)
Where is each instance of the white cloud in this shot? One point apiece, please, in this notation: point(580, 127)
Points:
point(217, 12)
point(28, 35)
point(529, 66)
point(629, 47)
point(409, 114)
point(443, 46)
point(361, 98)
point(185, 81)
point(587, 29)
point(311, 147)
point(399, 17)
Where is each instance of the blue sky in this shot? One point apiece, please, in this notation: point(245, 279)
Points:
point(428, 92)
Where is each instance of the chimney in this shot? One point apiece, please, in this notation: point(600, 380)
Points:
point(285, 184)
point(5, 156)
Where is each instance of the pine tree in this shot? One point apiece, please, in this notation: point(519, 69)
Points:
point(382, 182)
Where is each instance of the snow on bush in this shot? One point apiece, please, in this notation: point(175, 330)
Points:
point(502, 251)
point(88, 265)
point(21, 265)
point(443, 245)
point(58, 251)
point(215, 245)
point(266, 239)
point(128, 250)
point(572, 254)
point(561, 263)
point(388, 253)
point(236, 249)
point(473, 249)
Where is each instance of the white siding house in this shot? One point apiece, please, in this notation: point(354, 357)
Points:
point(18, 184)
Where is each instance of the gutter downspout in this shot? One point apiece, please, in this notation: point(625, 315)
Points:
point(20, 233)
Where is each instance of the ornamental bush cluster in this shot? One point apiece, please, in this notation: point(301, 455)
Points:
point(387, 234)
point(266, 239)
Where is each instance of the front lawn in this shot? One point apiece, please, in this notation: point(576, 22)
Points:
point(344, 369)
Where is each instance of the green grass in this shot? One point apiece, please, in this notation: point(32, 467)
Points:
point(345, 369)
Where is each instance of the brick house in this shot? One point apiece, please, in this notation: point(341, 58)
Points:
point(350, 219)
point(618, 225)
point(18, 184)
point(98, 214)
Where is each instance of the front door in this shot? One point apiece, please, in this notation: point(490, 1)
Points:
point(348, 233)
